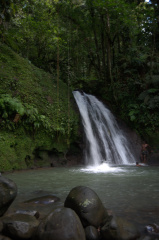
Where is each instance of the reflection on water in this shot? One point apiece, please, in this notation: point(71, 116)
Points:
point(127, 191)
point(103, 168)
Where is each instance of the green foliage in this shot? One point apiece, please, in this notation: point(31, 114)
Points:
point(139, 107)
point(107, 48)
point(30, 116)
point(14, 113)
point(15, 146)
point(34, 99)
point(9, 105)
point(7, 9)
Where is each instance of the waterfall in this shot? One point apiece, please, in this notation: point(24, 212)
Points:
point(105, 142)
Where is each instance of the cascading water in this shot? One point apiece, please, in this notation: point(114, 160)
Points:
point(105, 142)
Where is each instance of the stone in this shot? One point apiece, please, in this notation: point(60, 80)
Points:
point(92, 233)
point(145, 238)
point(2, 237)
point(119, 229)
point(88, 206)
point(20, 226)
point(47, 199)
point(1, 226)
point(152, 229)
point(8, 192)
point(34, 213)
point(61, 224)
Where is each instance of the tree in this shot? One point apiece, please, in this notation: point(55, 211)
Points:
point(108, 48)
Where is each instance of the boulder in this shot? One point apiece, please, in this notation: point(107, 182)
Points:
point(61, 224)
point(86, 203)
point(92, 233)
point(34, 213)
point(146, 238)
point(2, 237)
point(152, 229)
point(1, 225)
point(20, 226)
point(8, 192)
point(43, 205)
point(119, 229)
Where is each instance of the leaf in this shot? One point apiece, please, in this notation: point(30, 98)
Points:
point(5, 115)
point(153, 90)
point(36, 124)
point(142, 95)
point(132, 118)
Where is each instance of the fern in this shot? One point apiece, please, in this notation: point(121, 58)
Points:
point(11, 107)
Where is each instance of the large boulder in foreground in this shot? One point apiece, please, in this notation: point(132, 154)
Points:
point(86, 203)
point(2, 237)
point(61, 224)
point(8, 192)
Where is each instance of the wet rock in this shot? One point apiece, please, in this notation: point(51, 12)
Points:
point(48, 199)
point(20, 226)
point(2, 237)
point(119, 229)
point(61, 224)
point(153, 158)
point(153, 229)
point(1, 225)
point(92, 233)
point(145, 238)
point(39, 210)
point(29, 212)
point(8, 192)
point(109, 230)
point(86, 203)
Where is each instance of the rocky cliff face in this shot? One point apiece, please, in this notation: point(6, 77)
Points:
point(135, 143)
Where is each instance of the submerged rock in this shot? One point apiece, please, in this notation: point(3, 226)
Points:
point(2, 237)
point(34, 213)
point(119, 229)
point(8, 192)
point(153, 229)
point(48, 199)
point(1, 225)
point(92, 233)
point(86, 203)
point(20, 226)
point(61, 224)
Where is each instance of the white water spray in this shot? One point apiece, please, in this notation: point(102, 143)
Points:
point(105, 142)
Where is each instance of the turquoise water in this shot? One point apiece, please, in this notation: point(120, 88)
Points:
point(128, 191)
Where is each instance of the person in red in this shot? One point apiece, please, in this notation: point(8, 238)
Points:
point(137, 164)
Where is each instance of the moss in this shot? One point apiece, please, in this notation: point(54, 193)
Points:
point(37, 89)
point(14, 149)
point(86, 203)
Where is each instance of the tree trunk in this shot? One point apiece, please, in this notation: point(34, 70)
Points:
point(109, 59)
point(95, 39)
point(103, 47)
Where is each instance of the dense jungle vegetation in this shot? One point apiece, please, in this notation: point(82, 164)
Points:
point(109, 48)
